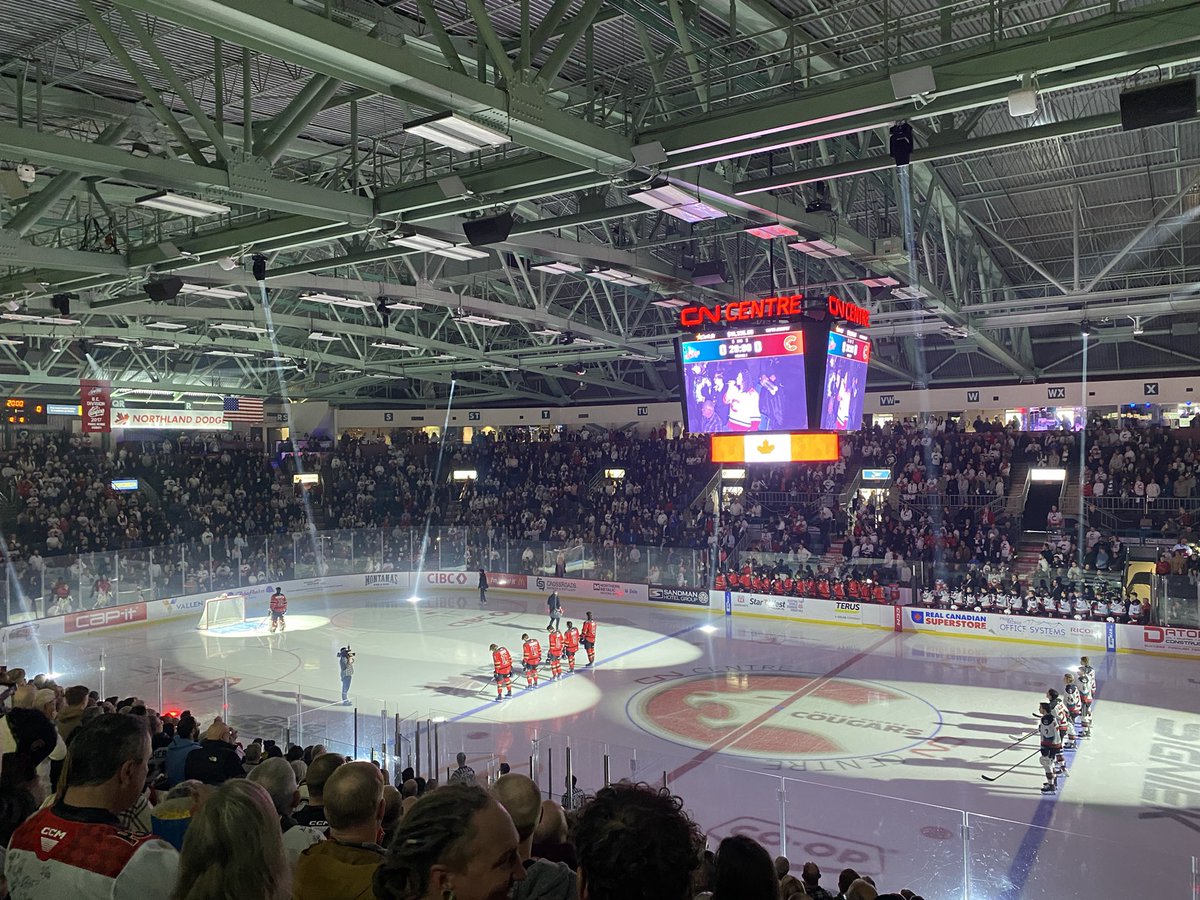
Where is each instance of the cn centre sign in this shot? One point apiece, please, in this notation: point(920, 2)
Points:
point(769, 309)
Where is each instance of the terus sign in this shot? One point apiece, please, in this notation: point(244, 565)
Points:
point(768, 309)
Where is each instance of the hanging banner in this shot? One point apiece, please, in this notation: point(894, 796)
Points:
point(171, 419)
point(96, 397)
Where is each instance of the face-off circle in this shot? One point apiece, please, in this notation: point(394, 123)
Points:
point(784, 716)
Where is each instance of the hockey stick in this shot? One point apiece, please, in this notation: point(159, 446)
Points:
point(1013, 766)
point(1010, 746)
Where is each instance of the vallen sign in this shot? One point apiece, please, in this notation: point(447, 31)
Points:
point(768, 309)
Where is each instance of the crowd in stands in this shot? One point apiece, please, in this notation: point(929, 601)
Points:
point(834, 583)
point(998, 591)
point(104, 797)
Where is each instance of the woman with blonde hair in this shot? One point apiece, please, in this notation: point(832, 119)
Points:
point(233, 849)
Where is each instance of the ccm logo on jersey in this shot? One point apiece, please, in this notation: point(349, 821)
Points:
point(101, 618)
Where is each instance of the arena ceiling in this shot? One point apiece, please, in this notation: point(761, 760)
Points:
point(301, 122)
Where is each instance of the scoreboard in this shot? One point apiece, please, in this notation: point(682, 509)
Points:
point(23, 411)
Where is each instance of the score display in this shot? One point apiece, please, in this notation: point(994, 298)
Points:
point(746, 380)
point(845, 382)
point(22, 411)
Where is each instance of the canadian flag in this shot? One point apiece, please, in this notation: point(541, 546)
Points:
point(774, 448)
point(766, 448)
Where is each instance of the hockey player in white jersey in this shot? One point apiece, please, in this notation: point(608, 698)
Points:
point(1072, 700)
point(1086, 678)
point(1051, 747)
point(1059, 710)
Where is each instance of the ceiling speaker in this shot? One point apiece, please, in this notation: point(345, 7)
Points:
point(708, 273)
point(488, 230)
point(164, 289)
point(1157, 104)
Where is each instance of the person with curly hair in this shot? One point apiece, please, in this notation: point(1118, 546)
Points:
point(636, 843)
point(456, 843)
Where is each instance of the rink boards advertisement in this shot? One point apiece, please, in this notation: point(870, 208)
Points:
point(808, 609)
point(1027, 629)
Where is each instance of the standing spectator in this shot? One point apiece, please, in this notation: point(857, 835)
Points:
point(744, 871)
point(636, 843)
point(181, 745)
point(789, 885)
point(544, 880)
point(216, 759)
point(463, 773)
point(233, 848)
point(71, 715)
point(342, 868)
point(483, 587)
point(454, 842)
point(811, 876)
point(346, 669)
point(318, 774)
point(278, 779)
point(574, 797)
point(550, 836)
point(77, 847)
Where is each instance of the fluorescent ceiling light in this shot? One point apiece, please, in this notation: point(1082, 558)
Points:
point(587, 342)
point(461, 253)
point(321, 336)
point(335, 300)
point(205, 291)
point(496, 367)
point(457, 133)
point(670, 303)
point(908, 292)
point(767, 232)
point(442, 356)
point(162, 347)
point(280, 359)
point(616, 276)
point(118, 345)
point(557, 268)
point(436, 245)
point(167, 326)
point(819, 249)
point(178, 203)
point(547, 332)
point(388, 345)
point(400, 304)
point(349, 371)
point(21, 317)
point(676, 202)
point(233, 353)
point(237, 326)
point(59, 320)
point(474, 319)
point(880, 281)
point(10, 342)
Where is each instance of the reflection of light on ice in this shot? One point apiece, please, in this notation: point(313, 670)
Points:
point(257, 627)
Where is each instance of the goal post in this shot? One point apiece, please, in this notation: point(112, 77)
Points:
point(224, 609)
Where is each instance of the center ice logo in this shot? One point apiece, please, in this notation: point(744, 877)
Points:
point(784, 716)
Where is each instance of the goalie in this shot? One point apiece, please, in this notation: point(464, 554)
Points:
point(278, 610)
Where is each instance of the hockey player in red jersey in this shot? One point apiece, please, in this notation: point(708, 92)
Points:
point(278, 610)
point(502, 670)
point(571, 645)
point(531, 657)
point(587, 637)
point(554, 651)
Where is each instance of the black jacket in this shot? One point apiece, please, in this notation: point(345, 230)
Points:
point(213, 762)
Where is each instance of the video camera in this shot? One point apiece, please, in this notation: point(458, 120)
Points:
point(346, 652)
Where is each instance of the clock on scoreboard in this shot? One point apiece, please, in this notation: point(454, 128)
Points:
point(23, 411)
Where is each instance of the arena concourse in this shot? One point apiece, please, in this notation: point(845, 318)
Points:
point(599, 450)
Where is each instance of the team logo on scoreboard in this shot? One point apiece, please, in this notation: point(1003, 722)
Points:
point(782, 715)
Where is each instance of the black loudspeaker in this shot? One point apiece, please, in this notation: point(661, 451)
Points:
point(1167, 101)
point(489, 230)
point(164, 289)
point(709, 273)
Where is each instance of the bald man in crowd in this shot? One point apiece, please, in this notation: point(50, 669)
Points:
point(343, 867)
point(550, 836)
point(544, 879)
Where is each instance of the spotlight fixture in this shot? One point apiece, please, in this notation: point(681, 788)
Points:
point(901, 143)
point(1085, 327)
point(1137, 325)
point(566, 338)
point(576, 368)
point(259, 267)
point(820, 201)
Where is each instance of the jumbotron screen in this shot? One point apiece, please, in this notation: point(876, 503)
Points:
point(746, 380)
point(845, 380)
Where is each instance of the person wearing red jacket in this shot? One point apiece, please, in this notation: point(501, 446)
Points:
point(278, 610)
point(720, 583)
point(554, 652)
point(588, 637)
point(877, 593)
point(571, 645)
point(502, 670)
point(823, 588)
point(532, 658)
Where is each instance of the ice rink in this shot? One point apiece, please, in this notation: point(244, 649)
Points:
point(848, 746)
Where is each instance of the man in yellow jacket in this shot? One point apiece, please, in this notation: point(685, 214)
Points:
point(342, 868)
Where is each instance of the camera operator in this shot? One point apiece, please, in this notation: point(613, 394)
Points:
point(346, 663)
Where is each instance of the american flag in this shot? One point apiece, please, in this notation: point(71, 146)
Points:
point(244, 409)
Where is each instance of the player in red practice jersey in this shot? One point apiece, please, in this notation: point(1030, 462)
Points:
point(502, 670)
point(571, 645)
point(278, 610)
point(554, 651)
point(587, 637)
point(532, 658)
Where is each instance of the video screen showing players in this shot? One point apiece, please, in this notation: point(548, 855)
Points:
point(745, 381)
point(845, 380)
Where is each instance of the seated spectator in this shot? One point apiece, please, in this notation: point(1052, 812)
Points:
point(184, 742)
point(342, 867)
point(636, 843)
point(811, 876)
point(216, 759)
point(456, 842)
point(789, 885)
point(744, 871)
point(393, 810)
point(544, 880)
point(89, 854)
point(278, 779)
point(233, 848)
point(322, 767)
point(170, 818)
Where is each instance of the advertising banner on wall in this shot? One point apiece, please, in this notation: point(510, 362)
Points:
point(174, 419)
point(96, 399)
point(95, 619)
point(1159, 639)
point(661, 593)
point(579, 587)
point(1008, 627)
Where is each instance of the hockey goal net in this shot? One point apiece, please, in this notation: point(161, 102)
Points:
point(222, 610)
